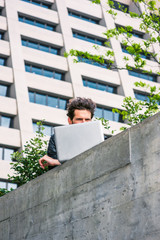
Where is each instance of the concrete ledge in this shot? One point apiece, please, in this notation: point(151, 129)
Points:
point(109, 192)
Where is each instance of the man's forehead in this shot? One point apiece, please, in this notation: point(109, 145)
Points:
point(82, 113)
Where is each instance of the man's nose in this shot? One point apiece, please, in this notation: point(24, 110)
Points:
point(83, 120)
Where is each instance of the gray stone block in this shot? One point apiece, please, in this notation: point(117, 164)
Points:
point(109, 192)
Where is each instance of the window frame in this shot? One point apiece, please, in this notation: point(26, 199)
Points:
point(4, 60)
point(35, 22)
point(42, 70)
point(134, 32)
point(88, 38)
point(3, 153)
point(37, 3)
point(7, 91)
point(83, 17)
point(141, 94)
point(146, 95)
point(7, 183)
point(98, 83)
point(58, 99)
point(92, 62)
point(36, 128)
point(140, 74)
point(116, 6)
point(110, 110)
point(1, 35)
point(142, 55)
point(10, 123)
point(26, 42)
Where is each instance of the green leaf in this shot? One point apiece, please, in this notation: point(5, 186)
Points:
point(96, 1)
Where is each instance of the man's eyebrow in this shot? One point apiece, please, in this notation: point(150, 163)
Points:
point(82, 118)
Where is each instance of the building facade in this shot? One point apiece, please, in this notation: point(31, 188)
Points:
point(36, 80)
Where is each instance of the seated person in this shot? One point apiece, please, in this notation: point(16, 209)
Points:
point(79, 110)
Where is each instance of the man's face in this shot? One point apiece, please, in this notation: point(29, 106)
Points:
point(80, 116)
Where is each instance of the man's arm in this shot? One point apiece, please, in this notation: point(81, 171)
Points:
point(51, 158)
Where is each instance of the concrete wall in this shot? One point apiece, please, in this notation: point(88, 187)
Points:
point(111, 192)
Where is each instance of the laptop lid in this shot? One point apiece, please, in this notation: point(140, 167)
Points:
point(71, 140)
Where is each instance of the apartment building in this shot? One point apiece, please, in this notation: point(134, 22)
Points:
point(36, 80)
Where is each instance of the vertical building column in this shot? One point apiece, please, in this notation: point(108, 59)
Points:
point(23, 121)
point(155, 46)
point(126, 85)
point(75, 75)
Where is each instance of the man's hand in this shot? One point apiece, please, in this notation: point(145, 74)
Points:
point(48, 161)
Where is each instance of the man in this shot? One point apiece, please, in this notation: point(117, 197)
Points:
point(79, 110)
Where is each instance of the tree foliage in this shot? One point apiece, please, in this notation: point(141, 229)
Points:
point(25, 163)
point(3, 191)
point(147, 13)
point(149, 24)
point(135, 111)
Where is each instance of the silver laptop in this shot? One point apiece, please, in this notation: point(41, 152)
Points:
point(71, 140)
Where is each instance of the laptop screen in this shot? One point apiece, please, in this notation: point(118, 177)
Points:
point(71, 140)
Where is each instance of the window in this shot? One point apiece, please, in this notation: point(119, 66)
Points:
point(44, 72)
point(47, 100)
point(137, 34)
point(6, 121)
point(107, 114)
point(1, 35)
point(155, 18)
point(92, 62)
point(36, 23)
point(143, 97)
point(88, 39)
point(142, 55)
point(119, 6)
point(2, 61)
point(41, 47)
point(5, 153)
point(4, 90)
point(41, 4)
point(107, 136)
point(7, 185)
point(48, 129)
point(145, 76)
point(133, 32)
point(99, 86)
point(79, 16)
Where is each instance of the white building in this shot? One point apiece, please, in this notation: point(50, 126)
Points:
point(36, 80)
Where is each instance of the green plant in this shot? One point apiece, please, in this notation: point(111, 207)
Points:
point(3, 191)
point(149, 24)
point(25, 163)
point(105, 123)
point(136, 111)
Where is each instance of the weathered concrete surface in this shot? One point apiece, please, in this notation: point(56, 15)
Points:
point(111, 192)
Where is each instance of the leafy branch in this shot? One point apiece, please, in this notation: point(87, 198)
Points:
point(25, 163)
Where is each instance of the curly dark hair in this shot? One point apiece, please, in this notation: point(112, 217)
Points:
point(81, 104)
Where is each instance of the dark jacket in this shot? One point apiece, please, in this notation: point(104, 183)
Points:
point(52, 151)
